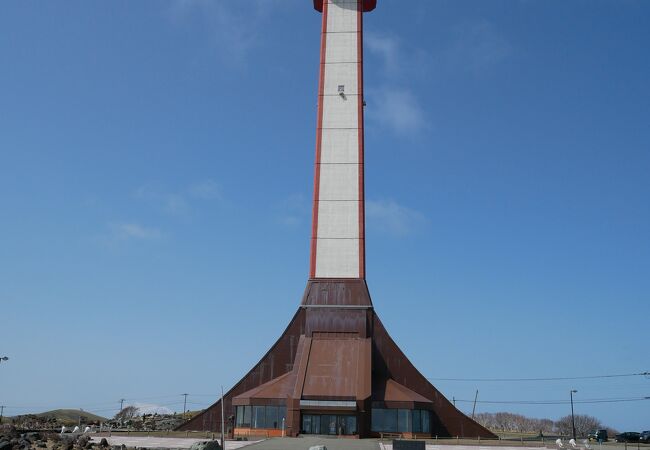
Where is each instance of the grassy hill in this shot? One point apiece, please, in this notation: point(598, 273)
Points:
point(71, 416)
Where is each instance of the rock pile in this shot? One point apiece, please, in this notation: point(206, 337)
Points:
point(12, 439)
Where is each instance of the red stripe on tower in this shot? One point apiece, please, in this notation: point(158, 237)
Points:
point(319, 141)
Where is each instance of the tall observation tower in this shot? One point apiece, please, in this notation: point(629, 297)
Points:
point(335, 370)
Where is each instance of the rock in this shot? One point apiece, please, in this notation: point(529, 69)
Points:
point(206, 445)
point(83, 440)
point(5, 445)
point(33, 436)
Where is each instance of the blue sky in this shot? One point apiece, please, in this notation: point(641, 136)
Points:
point(156, 173)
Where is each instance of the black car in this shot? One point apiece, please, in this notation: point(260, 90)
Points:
point(628, 436)
point(645, 437)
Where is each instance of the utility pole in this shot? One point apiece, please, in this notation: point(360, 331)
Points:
point(573, 421)
point(184, 404)
point(474, 408)
point(223, 421)
point(2, 410)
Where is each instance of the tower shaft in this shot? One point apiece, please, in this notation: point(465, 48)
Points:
point(338, 228)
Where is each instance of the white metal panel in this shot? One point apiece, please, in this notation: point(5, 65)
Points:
point(343, 74)
point(340, 146)
point(341, 112)
point(342, 16)
point(341, 47)
point(337, 258)
point(339, 182)
point(338, 219)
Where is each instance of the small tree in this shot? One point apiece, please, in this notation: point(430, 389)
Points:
point(584, 425)
point(127, 413)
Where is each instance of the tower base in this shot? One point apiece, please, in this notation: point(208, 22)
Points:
point(335, 370)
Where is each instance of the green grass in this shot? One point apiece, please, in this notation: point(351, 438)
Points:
point(71, 416)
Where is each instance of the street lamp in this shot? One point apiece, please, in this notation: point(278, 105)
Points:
point(573, 421)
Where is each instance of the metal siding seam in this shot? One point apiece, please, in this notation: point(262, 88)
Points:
point(362, 215)
point(319, 139)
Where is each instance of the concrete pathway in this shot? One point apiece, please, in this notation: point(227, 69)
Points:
point(165, 442)
point(383, 446)
point(303, 443)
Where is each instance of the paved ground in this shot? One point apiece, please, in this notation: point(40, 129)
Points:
point(165, 442)
point(387, 446)
point(303, 443)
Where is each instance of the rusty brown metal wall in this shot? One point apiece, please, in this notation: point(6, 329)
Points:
point(390, 362)
point(343, 292)
point(277, 361)
point(324, 312)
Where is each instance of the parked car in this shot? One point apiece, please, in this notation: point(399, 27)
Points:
point(598, 435)
point(645, 437)
point(628, 436)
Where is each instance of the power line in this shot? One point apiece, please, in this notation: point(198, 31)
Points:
point(588, 377)
point(556, 402)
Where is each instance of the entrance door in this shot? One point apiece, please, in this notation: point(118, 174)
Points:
point(329, 424)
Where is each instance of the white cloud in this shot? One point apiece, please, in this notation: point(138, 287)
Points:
point(294, 211)
point(477, 45)
point(393, 105)
point(386, 47)
point(177, 203)
point(206, 190)
point(397, 109)
point(390, 217)
point(232, 26)
point(130, 231)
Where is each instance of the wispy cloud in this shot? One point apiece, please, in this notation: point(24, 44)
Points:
point(397, 109)
point(206, 190)
point(179, 203)
point(477, 45)
point(293, 211)
point(390, 217)
point(232, 26)
point(386, 47)
point(393, 105)
point(133, 231)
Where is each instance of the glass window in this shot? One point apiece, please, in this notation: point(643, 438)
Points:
point(384, 420)
point(426, 422)
point(306, 424)
point(246, 422)
point(272, 417)
point(315, 424)
point(282, 414)
point(259, 418)
point(417, 421)
point(239, 416)
point(403, 420)
point(328, 424)
point(350, 425)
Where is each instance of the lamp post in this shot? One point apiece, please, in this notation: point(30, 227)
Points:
point(573, 421)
